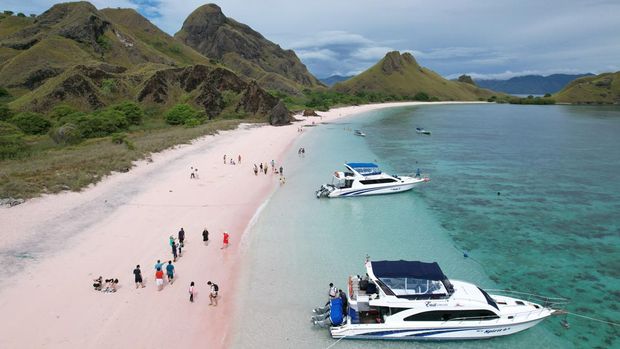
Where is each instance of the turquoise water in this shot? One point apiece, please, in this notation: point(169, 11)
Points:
point(554, 230)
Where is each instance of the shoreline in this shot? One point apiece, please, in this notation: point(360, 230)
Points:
point(54, 245)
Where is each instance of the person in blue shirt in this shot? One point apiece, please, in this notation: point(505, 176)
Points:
point(170, 272)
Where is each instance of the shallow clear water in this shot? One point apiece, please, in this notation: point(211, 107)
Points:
point(554, 230)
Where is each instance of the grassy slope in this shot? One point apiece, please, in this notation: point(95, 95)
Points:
point(72, 168)
point(412, 79)
point(140, 28)
point(603, 88)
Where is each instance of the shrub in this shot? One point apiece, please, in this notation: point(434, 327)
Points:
point(60, 111)
point(21, 15)
point(132, 112)
point(5, 112)
point(101, 123)
point(180, 114)
point(31, 123)
point(68, 133)
point(547, 95)
point(12, 143)
point(4, 92)
point(8, 13)
point(108, 86)
point(421, 96)
point(119, 138)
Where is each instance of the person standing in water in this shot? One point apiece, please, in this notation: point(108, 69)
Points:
point(205, 236)
point(138, 276)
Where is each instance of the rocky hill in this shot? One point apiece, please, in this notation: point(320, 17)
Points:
point(332, 80)
point(597, 89)
point(245, 51)
point(400, 75)
point(530, 84)
point(77, 55)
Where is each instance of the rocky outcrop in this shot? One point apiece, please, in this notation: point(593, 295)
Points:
point(395, 62)
point(279, 115)
point(310, 112)
point(242, 49)
point(255, 100)
point(466, 79)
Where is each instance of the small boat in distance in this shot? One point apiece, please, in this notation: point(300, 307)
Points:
point(366, 179)
point(412, 300)
point(422, 131)
point(359, 133)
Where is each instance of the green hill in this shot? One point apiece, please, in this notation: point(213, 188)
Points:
point(400, 75)
point(88, 59)
point(245, 51)
point(598, 89)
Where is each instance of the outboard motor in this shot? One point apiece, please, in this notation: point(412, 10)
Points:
point(334, 317)
point(324, 191)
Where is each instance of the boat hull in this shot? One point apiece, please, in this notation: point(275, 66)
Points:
point(446, 331)
point(349, 192)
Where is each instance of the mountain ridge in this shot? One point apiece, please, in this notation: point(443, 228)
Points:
point(401, 75)
point(530, 84)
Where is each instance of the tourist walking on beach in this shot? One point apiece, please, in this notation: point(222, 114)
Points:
point(224, 159)
point(255, 170)
point(170, 272)
point(138, 276)
point(225, 241)
point(159, 279)
point(265, 169)
point(171, 240)
point(205, 236)
point(214, 289)
point(159, 265)
point(174, 251)
point(191, 292)
point(239, 158)
point(181, 236)
point(281, 171)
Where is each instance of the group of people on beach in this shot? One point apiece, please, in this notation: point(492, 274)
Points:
point(111, 285)
point(231, 160)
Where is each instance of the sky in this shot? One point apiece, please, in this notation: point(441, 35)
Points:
point(483, 38)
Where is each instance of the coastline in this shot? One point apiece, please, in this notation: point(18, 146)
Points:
point(55, 245)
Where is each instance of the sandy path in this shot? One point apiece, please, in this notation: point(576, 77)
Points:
point(52, 247)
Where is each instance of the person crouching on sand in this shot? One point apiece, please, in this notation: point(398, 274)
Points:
point(226, 236)
point(214, 289)
point(98, 283)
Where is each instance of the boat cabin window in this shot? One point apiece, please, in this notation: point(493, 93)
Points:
point(457, 315)
point(378, 181)
point(414, 287)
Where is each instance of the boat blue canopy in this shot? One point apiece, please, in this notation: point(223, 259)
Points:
point(364, 168)
point(355, 165)
point(407, 269)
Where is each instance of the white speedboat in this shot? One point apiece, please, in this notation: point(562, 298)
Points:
point(422, 131)
point(359, 133)
point(366, 179)
point(415, 300)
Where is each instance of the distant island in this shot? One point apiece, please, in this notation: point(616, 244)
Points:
point(530, 84)
point(332, 80)
point(598, 89)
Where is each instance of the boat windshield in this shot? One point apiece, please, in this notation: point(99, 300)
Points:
point(364, 168)
point(414, 287)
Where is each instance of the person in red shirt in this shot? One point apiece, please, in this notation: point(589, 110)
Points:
point(225, 240)
point(159, 279)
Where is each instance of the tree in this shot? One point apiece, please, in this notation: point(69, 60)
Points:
point(31, 123)
point(101, 123)
point(21, 15)
point(8, 13)
point(132, 111)
point(33, 15)
point(180, 114)
point(547, 95)
point(68, 133)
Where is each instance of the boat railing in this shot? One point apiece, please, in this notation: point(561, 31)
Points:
point(514, 317)
point(545, 301)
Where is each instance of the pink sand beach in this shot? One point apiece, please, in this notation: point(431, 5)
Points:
point(54, 246)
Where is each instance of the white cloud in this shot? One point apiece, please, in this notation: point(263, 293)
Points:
point(320, 54)
point(373, 53)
